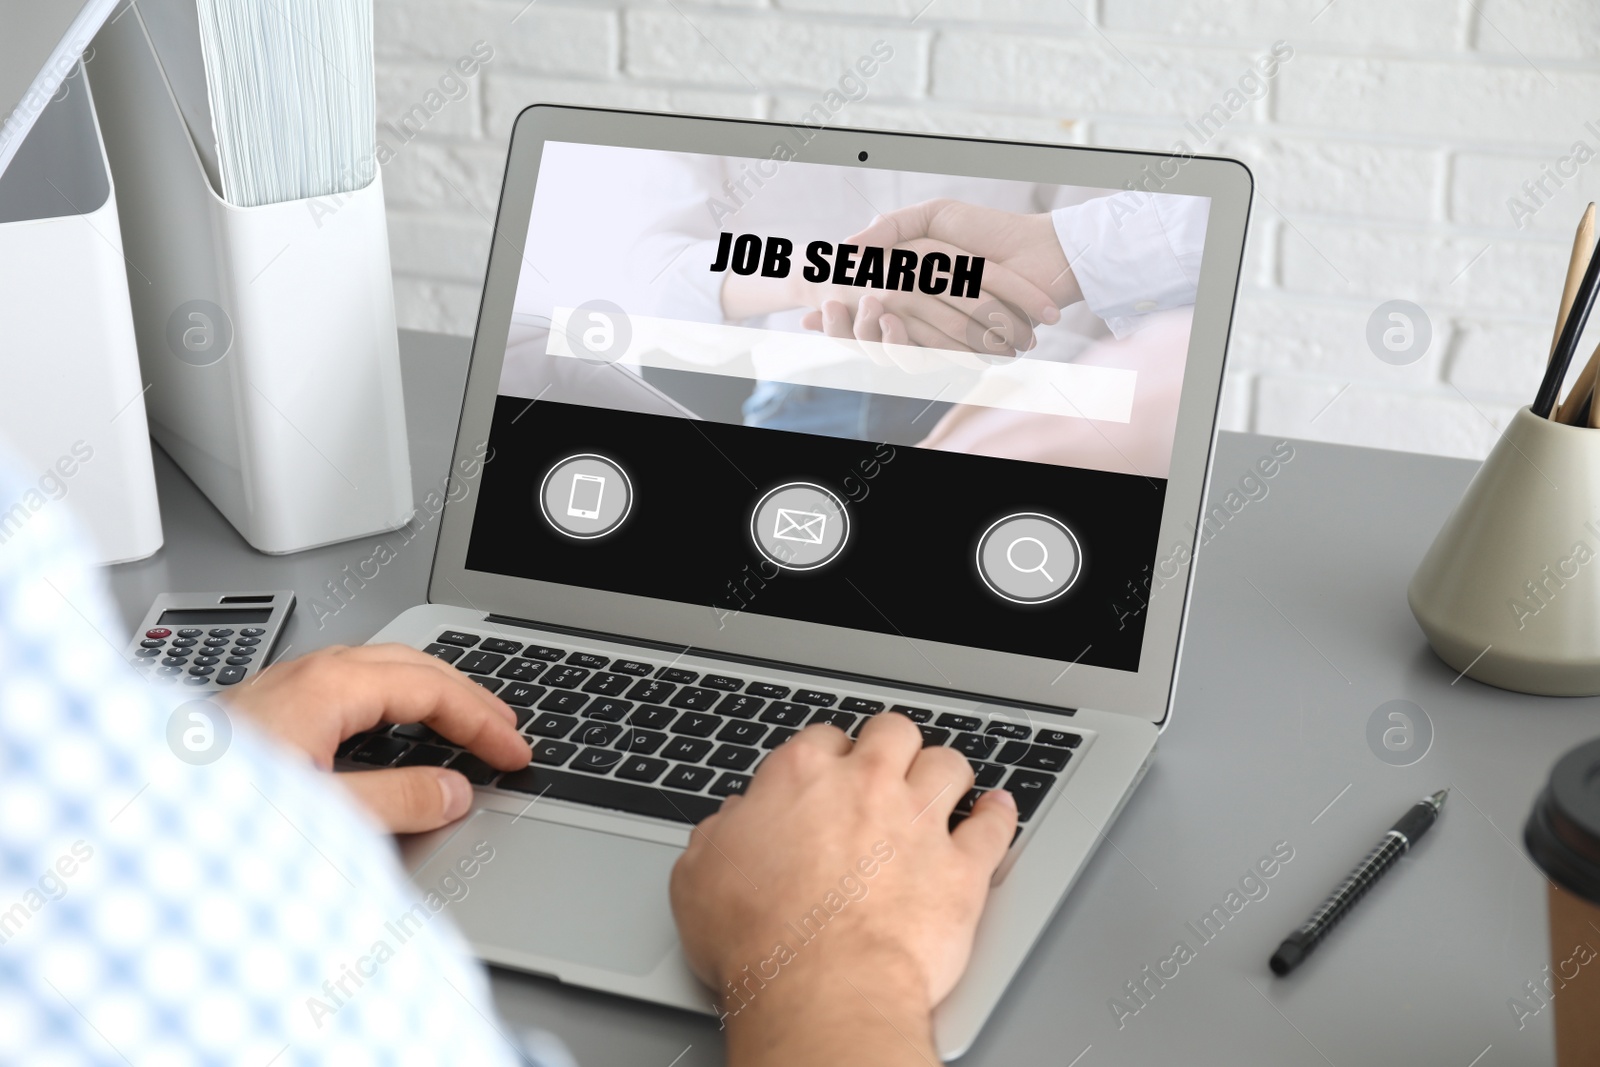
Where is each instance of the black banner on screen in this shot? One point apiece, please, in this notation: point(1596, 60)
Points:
point(908, 568)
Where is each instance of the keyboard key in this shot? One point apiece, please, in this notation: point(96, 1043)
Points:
point(564, 701)
point(206, 661)
point(733, 757)
point(693, 779)
point(842, 719)
point(521, 694)
point(988, 775)
point(778, 736)
point(480, 662)
point(174, 661)
point(607, 710)
point(607, 684)
point(686, 749)
point(677, 674)
point(238, 661)
point(696, 724)
point(1059, 738)
point(565, 677)
point(1010, 729)
point(215, 642)
point(491, 684)
point(456, 637)
point(190, 631)
point(785, 714)
point(914, 714)
point(550, 724)
point(1029, 787)
point(521, 670)
point(597, 733)
point(152, 643)
point(811, 696)
point(722, 681)
point(1041, 758)
point(974, 746)
point(351, 743)
point(448, 653)
point(969, 800)
point(476, 771)
point(651, 692)
point(869, 707)
point(552, 753)
point(596, 760)
point(416, 731)
point(695, 699)
point(221, 631)
point(959, 722)
point(653, 717)
point(767, 690)
point(245, 642)
point(643, 742)
point(183, 642)
point(500, 644)
point(729, 784)
point(1011, 752)
point(933, 736)
point(641, 769)
point(230, 675)
point(742, 733)
point(549, 655)
point(611, 793)
point(588, 659)
point(379, 751)
point(631, 666)
point(740, 707)
point(252, 631)
point(426, 756)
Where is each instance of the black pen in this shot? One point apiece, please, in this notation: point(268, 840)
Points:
point(1405, 833)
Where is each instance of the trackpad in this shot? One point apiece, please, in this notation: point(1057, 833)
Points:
point(582, 896)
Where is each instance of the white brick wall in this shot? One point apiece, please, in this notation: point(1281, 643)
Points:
point(1385, 153)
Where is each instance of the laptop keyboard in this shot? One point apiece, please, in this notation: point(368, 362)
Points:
point(671, 743)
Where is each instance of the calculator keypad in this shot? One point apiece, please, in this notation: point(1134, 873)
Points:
point(199, 656)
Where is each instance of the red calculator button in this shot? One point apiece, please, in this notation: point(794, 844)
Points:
point(156, 632)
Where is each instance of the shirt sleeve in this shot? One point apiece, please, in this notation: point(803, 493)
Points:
point(174, 888)
point(1134, 253)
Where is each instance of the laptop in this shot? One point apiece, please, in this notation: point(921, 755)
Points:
point(690, 516)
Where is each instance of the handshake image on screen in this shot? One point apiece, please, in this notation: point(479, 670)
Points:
point(999, 318)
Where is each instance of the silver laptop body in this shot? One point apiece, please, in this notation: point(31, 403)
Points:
point(674, 534)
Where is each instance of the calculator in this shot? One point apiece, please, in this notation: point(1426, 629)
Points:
point(209, 640)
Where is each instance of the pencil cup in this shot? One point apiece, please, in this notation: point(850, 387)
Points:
point(1509, 593)
point(1563, 837)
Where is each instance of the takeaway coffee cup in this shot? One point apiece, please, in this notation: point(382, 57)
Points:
point(1563, 837)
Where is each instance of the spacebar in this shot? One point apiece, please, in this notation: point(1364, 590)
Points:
point(610, 793)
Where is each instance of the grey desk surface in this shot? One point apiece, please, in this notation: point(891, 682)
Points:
point(1299, 631)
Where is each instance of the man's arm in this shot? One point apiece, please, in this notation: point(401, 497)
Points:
point(830, 908)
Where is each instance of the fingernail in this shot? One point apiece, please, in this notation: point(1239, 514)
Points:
point(1050, 315)
point(1004, 799)
point(457, 795)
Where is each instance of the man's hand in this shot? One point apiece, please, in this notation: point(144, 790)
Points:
point(315, 702)
point(830, 908)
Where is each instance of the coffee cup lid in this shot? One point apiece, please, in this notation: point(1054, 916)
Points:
point(1563, 831)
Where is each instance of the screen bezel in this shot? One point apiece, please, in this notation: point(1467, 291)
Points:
point(998, 676)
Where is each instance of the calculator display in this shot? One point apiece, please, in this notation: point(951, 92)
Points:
point(213, 616)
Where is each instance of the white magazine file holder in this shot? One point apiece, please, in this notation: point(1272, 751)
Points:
point(267, 334)
point(70, 405)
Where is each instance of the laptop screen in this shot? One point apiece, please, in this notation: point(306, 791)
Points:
point(932, 406)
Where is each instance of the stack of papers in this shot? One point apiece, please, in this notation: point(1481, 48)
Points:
point(277, 94)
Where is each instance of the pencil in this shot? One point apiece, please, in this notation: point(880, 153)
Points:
point(1570, 411)
point(1582, 250)
point(1577, 318)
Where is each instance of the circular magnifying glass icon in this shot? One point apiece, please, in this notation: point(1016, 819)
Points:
point(1044, 557)
point(1029, 558)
